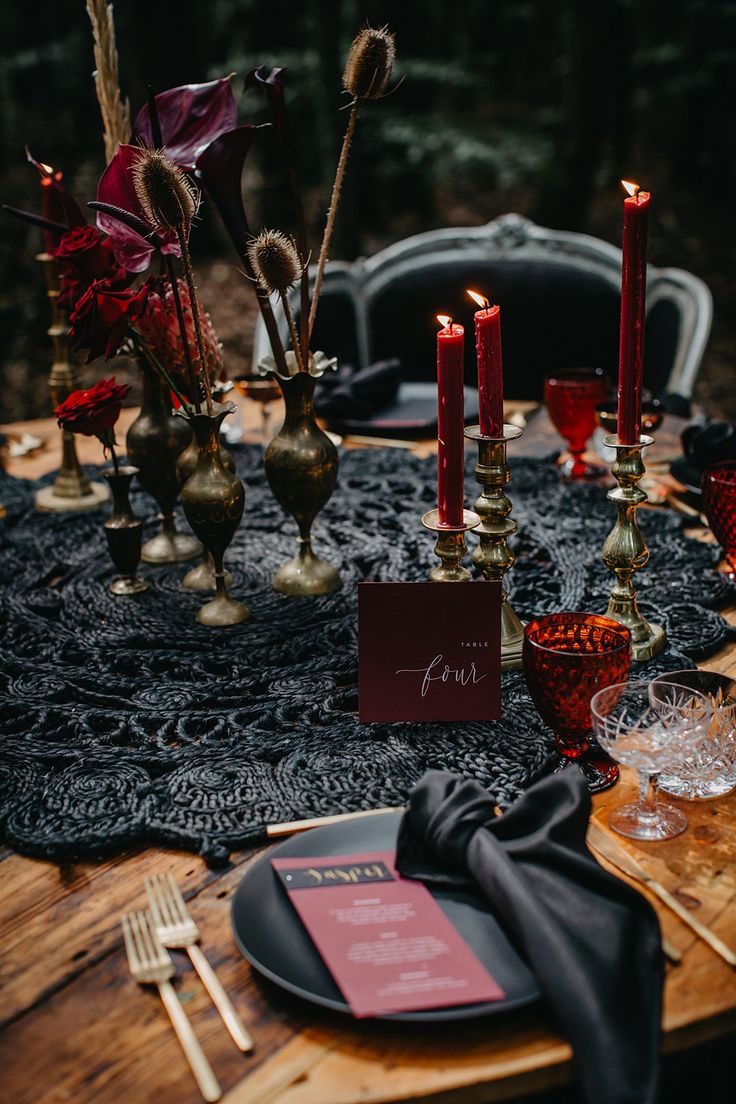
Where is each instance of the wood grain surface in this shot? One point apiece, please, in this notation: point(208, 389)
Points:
point(75, 1027)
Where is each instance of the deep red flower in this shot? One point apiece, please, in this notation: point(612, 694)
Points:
point(159, 328)
point(190, 116)
point(95, 411)
point(85, 249)
point(132, 252)
point(84, 255)
point(100, 320)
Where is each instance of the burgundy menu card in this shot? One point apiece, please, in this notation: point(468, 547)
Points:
point(384, 939)
point(429, 651)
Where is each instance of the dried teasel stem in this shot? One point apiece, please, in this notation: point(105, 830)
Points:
point(168, 198)
point(171, 272)
point(114, 110)
point(277, 266)
point(367, 73)
point(194, 301)
point(332, 211)
point(295, 344)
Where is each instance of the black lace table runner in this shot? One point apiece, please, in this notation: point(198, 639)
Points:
point(125, 722)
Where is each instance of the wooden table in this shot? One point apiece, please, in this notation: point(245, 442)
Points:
point(77, 1028)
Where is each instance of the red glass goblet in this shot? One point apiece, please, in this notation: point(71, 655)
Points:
point(719, 503)
point(571, 399)
point(568, 657)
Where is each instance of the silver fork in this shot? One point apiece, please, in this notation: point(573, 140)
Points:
point(176, 928)
point(151, 965)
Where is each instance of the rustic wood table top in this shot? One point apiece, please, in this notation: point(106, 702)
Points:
point(77, 1027)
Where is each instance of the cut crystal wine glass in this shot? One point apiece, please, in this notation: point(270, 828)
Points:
point(653, 730)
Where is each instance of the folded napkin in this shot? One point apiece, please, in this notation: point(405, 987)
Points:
point(359, 393)
point(592, 941)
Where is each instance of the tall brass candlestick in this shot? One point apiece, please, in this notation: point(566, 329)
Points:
point(450, 547)
point(625, 550)
point(493, 555)
point(71, 490)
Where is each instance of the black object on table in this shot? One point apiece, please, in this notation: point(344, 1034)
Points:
point(592, 941)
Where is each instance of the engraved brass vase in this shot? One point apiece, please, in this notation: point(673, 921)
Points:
point(202, 575)
point(301, 467)
point(154, 442)
point(124, 531)
point(213, 499)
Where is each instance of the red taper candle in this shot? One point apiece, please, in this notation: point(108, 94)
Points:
point(633, 304)
point(450, 422)
point(490, 366)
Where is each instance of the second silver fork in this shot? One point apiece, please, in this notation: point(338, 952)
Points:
point(176, 928)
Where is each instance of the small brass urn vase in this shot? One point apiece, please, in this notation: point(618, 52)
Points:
point(213, 499)
point(123, 531)
point(154, 442)
point(301, 467)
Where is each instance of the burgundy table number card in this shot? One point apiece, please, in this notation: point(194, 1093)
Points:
point(384, 938)
point(429, 651)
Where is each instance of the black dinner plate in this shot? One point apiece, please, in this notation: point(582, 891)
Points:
point(413, 411)
point(270, 934)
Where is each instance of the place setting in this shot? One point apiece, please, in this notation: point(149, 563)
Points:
point(292, 814)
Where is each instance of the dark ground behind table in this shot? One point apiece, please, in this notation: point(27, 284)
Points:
point(124, 721)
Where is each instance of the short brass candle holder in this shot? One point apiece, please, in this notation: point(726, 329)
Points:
point(450, 547)
point(625, 550)
point(493, 555)
point(71, 490)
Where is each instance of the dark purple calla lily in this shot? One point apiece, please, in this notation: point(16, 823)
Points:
point(132, 250)
point(219, 170)
point(191, 117)
point(271, 84)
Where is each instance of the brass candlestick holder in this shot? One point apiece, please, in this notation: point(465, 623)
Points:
point(71, 490)
point(625, 550)
point(450, 547)
point(493, 555)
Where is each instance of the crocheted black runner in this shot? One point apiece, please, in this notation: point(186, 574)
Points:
point(124, 721)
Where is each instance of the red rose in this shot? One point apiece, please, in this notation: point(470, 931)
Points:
point(92, 412)
point(86, 250)
point(100, 320)
point(84, 255)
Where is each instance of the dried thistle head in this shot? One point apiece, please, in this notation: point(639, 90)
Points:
point(369, 65)
point(275, 261)
point(167, 197)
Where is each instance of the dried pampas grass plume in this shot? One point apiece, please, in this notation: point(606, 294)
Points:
point(275, 261)
point(370, 63)
point(168, 199)
point(114, 110)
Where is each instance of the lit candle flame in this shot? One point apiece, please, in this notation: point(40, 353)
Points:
point(481, 300)
point(445, 321)
point(631, 188)
point(47, 168)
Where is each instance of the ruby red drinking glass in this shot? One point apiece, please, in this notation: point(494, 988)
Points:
point(719, 503)
point(571, 399)
point(568, 657)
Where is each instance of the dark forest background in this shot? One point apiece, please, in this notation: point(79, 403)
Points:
point(520, 105)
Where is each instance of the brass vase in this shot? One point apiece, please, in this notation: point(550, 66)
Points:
point(202, 576)
point(154, 442)
point(213, 499)
point(124, 531)
point(301, 467)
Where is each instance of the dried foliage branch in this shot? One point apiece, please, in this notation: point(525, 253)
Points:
point(367, 73)
point(114, 110)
